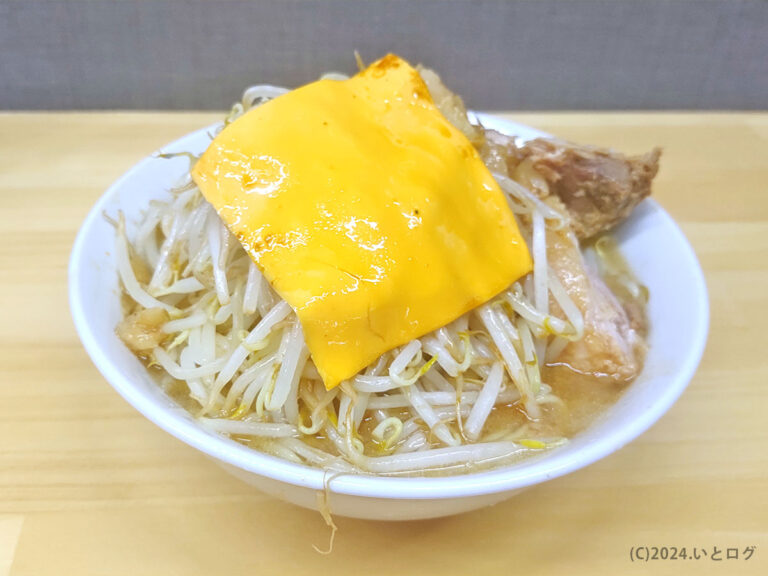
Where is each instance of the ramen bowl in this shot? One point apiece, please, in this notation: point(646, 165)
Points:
point(652, 243)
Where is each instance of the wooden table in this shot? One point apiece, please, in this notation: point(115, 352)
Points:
point(89, 487)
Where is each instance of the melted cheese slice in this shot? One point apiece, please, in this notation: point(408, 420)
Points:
point(366, 210)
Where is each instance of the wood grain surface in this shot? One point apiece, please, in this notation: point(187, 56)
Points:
point(89, 487)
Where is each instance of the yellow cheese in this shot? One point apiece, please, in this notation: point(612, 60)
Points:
point(366, 210)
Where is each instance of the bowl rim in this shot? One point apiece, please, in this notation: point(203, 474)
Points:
point(501, 479)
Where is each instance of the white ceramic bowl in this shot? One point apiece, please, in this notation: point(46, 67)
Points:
point(655, 247)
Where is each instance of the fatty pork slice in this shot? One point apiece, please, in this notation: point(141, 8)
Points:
point(612, 346)
point(599, 188)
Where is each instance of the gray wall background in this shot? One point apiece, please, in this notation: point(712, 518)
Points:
point(535, 55)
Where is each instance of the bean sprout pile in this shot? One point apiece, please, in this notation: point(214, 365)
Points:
point(213, 331)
